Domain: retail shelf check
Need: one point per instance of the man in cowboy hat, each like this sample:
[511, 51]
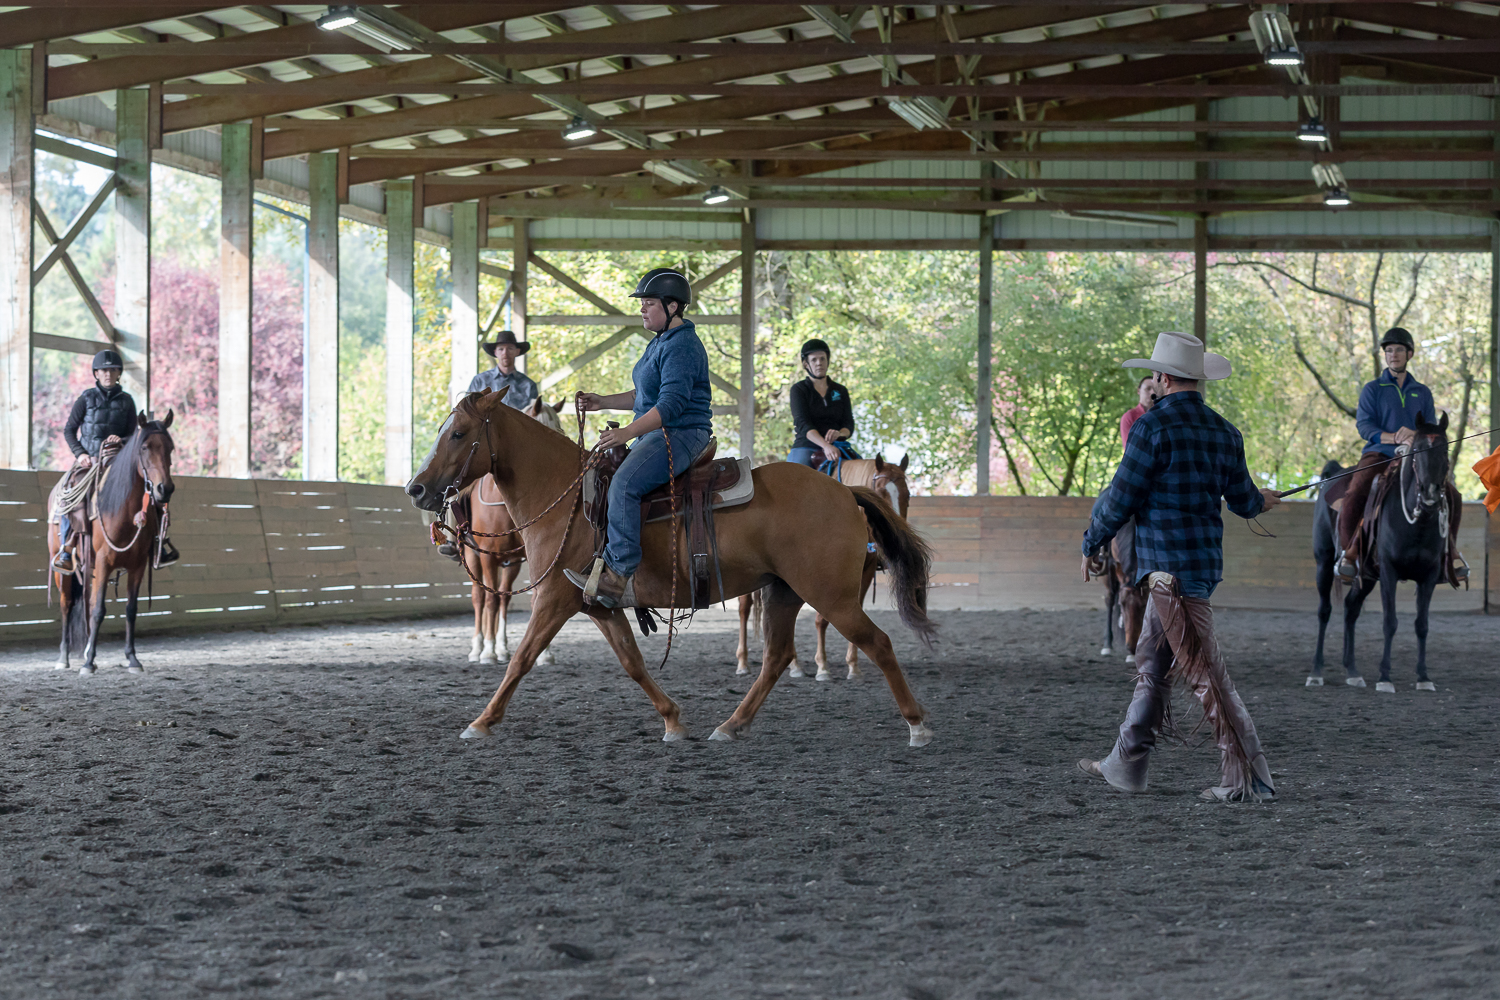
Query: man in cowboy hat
[1180, 459]
[504, 378]
[516, 391]
[1386, 418]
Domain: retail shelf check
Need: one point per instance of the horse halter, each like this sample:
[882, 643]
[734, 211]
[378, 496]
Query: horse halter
[1423, 505]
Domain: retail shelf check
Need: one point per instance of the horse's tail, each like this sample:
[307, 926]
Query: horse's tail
[76, 626]
[906, 555]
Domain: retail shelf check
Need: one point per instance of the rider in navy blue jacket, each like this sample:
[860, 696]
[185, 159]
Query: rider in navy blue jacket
[1386, 417]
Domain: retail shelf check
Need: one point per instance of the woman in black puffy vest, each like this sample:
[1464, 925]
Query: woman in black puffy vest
[105, 414]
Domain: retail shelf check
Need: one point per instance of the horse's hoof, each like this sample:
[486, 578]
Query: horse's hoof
[61, 665]
[86, 671]
[543, 660]
[740, 671]
[673, 735]
[823, 675]
[794, 670]
[1313, 681]
[471, 733]
[1426, 686]
[1106, 651]
[920, 735]
[1355, 682]
[473, 657]
[489, 658]
[1385, 687]
[135, 669]
[724, 735]
[853, 674]
[1129, 658]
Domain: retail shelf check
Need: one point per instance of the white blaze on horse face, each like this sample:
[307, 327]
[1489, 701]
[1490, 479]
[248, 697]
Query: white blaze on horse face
[895, 495]
[425, 468]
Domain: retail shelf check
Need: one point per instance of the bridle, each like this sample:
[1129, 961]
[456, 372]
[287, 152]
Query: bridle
[1421, 505]
[148, 500]
[450, 493]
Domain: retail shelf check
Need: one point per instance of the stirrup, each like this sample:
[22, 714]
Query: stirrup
[1461, 568]
[169, 554]
[64, 556]
[1343, 564]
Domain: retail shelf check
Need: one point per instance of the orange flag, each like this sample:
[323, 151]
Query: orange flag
[1488, 470]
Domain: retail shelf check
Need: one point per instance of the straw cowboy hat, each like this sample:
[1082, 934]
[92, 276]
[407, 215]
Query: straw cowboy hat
[506, 337]
[1182, 355]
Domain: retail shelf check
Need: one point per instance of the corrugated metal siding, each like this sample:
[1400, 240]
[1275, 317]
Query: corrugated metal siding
[607, 229]
[862, 224]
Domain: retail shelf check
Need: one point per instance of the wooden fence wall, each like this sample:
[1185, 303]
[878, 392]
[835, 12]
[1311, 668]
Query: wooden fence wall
[253, 551]
[1004, 553]
[264, 551]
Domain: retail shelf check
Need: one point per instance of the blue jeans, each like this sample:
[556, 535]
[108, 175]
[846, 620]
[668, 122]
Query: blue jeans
[812, 457]
[643, 470]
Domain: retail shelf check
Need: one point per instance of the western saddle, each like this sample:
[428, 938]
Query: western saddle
[707, 485]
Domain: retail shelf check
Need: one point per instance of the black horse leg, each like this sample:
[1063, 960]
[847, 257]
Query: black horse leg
[1353, 602]
[131, 601]
[96, 625]
[1424, 602]
[1111, 603]
[1388, 583]
[1325, 611]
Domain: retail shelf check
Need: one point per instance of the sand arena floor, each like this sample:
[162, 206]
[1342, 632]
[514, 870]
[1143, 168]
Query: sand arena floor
[289, 813]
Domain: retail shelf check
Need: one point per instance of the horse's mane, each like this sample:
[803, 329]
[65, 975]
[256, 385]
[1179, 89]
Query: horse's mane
[114, 494]
[469, 405]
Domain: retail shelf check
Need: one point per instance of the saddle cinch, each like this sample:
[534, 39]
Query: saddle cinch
[707, 485]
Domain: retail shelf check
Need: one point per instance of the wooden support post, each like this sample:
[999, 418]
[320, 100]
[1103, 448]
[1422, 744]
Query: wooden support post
[520, 262]
[236, 266]
[17, 180]
[463, 317]
[418, 201]
[132, 319]
[257, 148]
[1204, 141]
[343, 176]
[400, 330]
[747, 336]
[322, 359]
[1200, 278]
[983, 391]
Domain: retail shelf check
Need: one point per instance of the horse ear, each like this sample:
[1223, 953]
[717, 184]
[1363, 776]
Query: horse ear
[484, 392]
[140, 419]
[165, 424]
[557, 406]
[533, 408]
[1442, 425]
[904, 459]
[879, 461]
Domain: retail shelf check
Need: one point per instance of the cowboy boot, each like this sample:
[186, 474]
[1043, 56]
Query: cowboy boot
[1125, 767]
[63, 561]
[603, 586]
[448, 549]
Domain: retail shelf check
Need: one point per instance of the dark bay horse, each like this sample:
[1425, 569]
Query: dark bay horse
[125, 538]
[493, 555]
[877, 474]
[763, 543]
[1412, 544]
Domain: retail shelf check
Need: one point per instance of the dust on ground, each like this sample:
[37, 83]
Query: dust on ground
[289, 813]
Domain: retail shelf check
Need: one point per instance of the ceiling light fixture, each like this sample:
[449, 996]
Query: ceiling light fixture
[579, 129]
[1273, 34]
[368, 24]
[1312, 130]
[338, 17]
[1336, 198]
[715, 196]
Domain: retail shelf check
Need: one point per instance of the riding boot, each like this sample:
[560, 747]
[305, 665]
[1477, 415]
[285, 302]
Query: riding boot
[63, 561]
[1348, 565]
[1125, 767]
[603, 586]
[448, 549]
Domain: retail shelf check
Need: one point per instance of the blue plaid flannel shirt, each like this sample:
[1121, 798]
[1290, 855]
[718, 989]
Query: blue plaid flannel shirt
[1180, 459]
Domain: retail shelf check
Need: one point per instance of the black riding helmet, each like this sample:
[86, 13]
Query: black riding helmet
[108, 359]
[1396, 335]
[665, 284]
[812, 347]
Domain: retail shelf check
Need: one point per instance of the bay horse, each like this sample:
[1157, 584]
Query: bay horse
[1124, 600]
[877, 474]
[493, 556]
[131, 500]
[762, 543]
[1415, 521]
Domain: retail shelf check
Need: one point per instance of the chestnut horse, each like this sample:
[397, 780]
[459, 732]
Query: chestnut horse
[493, 557]
[763, 543]
[131, 499]
[878, 474]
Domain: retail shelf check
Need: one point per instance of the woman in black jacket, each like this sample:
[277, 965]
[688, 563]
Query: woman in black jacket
[821, 410]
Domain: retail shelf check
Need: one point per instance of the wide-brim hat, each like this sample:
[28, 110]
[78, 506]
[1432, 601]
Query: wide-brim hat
[1182, 355]
[506, 337]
